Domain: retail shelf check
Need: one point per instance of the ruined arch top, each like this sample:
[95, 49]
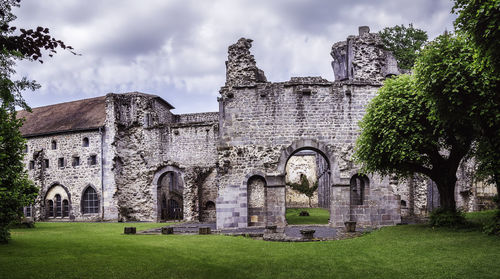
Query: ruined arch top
[162, 171]
[310, 144]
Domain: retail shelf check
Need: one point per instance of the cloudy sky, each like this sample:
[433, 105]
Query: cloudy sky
[176, 49]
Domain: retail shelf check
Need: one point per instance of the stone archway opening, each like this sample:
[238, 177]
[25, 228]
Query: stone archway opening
[170, 196]
[57, 203]
[307, 190]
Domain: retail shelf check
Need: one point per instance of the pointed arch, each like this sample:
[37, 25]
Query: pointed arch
[90, 203]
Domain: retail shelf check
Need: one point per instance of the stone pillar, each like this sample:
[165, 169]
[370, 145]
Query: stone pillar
[275, 200]
[340, 202]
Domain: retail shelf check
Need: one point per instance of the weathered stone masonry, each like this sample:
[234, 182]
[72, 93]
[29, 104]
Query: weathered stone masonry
[139, 161]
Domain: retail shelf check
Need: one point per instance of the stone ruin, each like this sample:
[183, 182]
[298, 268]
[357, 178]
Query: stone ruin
[126, 157]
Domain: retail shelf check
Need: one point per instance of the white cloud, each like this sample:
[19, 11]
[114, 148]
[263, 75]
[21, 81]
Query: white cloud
[176, 49]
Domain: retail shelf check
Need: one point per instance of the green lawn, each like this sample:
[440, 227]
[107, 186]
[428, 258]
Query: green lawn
[316, 216]
[99, 250]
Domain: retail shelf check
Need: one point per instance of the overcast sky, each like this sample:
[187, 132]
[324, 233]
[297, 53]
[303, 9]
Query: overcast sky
[176, 49]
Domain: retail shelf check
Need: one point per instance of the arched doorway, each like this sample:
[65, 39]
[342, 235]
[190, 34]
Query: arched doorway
[170, 190]
[329, 172]
[307, 188]
[256, 195]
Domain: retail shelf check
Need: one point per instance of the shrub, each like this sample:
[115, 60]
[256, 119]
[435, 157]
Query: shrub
[492, 227]
[304, 213]
[445, 218]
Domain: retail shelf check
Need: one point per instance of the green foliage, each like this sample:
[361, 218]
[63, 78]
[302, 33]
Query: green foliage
[445, 218]
[97, 250]
[463, 87]
[480, 19]
[404, 42]
[488, 221]
[492, 227]
[396, 131]
[304, 187]
[16, 190]
[427, 122]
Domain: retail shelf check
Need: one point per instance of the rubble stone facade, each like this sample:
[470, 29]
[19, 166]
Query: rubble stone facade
[127, 157]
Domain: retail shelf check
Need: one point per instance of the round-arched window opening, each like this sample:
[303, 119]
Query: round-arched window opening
[358, 185]
[210, 205]
[53, 145]
[85, 142]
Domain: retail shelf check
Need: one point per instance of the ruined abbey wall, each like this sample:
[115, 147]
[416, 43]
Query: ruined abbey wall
[73, 178]
[231, 166]
[263, 123]
[150, 140]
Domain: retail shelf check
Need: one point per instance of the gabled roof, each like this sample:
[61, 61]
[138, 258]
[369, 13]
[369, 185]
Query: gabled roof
[86, 114]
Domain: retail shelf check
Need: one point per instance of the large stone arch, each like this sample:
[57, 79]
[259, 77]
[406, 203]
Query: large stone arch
[276, 187]
[315, 145]
[156, 184]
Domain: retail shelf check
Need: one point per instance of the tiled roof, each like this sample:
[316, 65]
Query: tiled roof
[86, 114]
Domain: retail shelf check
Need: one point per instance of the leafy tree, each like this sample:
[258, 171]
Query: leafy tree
[16, 190]
[304, 187]
[480, 20]
[404, 42]
[422, 123]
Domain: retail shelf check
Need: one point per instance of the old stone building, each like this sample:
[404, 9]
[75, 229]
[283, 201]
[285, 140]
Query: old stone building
[126, 156]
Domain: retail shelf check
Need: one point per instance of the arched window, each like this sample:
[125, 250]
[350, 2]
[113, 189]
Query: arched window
[358, 184]
[90, 201]
[58, 205]
[210, 205]
[65, 210]
[51, 208]
[85, 142]
[54, 145]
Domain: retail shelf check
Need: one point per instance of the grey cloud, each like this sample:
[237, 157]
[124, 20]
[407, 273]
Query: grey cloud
[176, 49]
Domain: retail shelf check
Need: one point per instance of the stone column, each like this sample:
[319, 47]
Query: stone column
[340, 205]
[275, 200]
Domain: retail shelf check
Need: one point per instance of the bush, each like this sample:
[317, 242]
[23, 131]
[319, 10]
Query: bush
[443, 218]
[304, 213]
[4, 235]
[492, 227]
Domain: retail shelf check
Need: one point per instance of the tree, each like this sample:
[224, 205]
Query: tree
[479, 21]
[304, 187]
[422, 123]
[404, 43]
[16, 190]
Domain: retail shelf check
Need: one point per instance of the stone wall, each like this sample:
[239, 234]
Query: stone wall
[264, 123]
[148, 140]
[74, 179]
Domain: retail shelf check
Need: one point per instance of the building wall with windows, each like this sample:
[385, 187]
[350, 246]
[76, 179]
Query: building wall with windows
[66, 165]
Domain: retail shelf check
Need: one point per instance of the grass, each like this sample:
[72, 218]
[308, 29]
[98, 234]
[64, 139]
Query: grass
[480, 217]
[100, 250]
[316, 216]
